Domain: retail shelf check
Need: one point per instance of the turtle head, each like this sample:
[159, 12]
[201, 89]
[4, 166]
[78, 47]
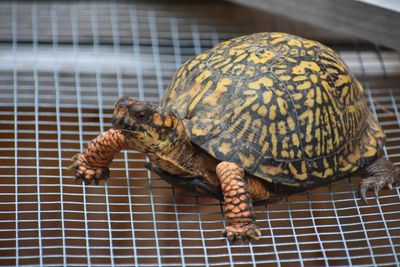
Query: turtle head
[149, 127]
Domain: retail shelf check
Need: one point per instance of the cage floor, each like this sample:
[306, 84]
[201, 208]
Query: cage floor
[63, 64]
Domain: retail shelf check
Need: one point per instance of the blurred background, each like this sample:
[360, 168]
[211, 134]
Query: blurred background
[63, 64]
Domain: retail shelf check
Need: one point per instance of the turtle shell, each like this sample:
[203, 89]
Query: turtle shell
[284, 108]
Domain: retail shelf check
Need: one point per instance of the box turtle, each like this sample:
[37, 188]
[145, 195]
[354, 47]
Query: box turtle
[255, 118]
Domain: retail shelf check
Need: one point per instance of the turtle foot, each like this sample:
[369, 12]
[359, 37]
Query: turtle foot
[242, 233]
[87, 173]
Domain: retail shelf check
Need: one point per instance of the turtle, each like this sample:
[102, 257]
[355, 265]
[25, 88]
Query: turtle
[254, 119]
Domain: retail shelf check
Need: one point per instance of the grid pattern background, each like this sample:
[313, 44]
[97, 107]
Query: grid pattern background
[62, 65]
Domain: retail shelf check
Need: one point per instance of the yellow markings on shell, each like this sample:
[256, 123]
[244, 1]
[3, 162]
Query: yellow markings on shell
[284, 154]
[282, 128]
[267, 96]
[310, 99]
[355, 156]
[343, 79]
[224, 148]
[318, 142]
[227, 67]
[255, 106]
[300, 176]
[262, 111]
[238, 69]
[246, 160]
[277, 34]
[274, 140]
[261, 58]
[305, 85]
[202, 56]
[248, 102]
[318, 98]
[309, 43]
[278, 40]
[291, 123]
[216, 59]
[299, 78]
[344, 92]
[198, 81]
[309, 150]
[279, 72]
[295, 140]
[192, 64]
[285, 78]
[332, 60]
[285, 142]
[197, 131]
[297, 96]
[222, 63]
[317, 116]
[301, 68]
[267, 82]
[294, 42]
[249, 92]
[222, 87]
[263, 134]
[359, 87]
[240, 58]
[326, 173]
[265, 147]
[272, 112]
[250, 71]
[271, 170]
[282, 105]
[238, 50]
[314, 78]
[326, 98]
[198, 97]
[346, 167]
[308, 114]
[279, 92]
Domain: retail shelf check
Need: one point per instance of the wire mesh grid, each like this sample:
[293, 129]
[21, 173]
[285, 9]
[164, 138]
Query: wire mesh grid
[62, 65]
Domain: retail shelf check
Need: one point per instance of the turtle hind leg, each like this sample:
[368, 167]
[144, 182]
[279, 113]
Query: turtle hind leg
[380, 174]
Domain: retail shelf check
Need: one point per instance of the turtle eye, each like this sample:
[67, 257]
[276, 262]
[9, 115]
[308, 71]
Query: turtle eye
[141, 115]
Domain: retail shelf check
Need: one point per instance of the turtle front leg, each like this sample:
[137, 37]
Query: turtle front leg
[92, 163]
[380, 174]
[238, 207]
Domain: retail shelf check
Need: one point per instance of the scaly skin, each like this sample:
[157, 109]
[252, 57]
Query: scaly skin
[92, 164]
[238, 207]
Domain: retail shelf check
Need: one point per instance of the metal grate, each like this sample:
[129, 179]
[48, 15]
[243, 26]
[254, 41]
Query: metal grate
[62, 65]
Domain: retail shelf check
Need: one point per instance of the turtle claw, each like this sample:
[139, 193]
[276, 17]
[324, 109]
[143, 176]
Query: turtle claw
[241, 233]
[361, 194]
[86, 173]
[258, 234]
[375, 184]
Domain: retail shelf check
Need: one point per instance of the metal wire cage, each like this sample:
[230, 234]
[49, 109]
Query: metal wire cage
[62, 65]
